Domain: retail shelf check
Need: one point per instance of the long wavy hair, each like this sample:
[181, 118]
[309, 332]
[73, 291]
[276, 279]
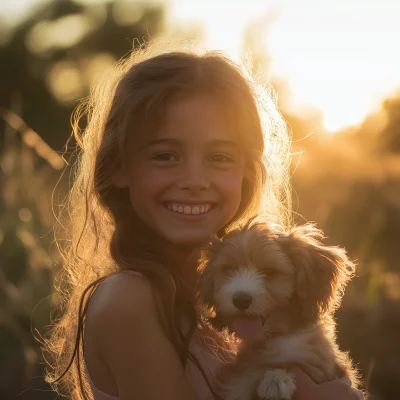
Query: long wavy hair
[102, 234]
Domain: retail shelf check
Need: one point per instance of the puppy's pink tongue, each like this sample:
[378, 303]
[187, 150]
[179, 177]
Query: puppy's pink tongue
[247, 328]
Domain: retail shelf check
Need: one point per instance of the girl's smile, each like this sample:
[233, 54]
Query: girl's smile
[190, 208]
[185, 182]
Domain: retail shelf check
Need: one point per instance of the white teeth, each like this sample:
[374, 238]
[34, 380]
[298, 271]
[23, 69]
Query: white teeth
[188, 209]
[195, 210]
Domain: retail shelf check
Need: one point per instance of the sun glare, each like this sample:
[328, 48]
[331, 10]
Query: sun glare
[338, 56]
[223, 21]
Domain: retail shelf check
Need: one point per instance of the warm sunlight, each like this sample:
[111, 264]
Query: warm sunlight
[337, 55]
[322, 181]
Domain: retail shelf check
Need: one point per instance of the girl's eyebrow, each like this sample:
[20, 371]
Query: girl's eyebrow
[180, 142]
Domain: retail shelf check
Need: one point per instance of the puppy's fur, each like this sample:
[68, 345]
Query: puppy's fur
[296, 284]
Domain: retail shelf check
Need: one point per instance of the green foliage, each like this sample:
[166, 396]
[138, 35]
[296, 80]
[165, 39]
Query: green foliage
[27, 260]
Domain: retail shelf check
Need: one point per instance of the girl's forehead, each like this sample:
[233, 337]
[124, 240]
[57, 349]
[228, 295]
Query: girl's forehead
[201, 117]
[195, 119]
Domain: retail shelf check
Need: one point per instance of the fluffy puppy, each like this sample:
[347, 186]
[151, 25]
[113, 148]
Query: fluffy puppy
[277, 291]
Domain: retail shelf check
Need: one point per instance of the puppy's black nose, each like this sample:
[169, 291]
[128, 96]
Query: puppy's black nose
[242, 301]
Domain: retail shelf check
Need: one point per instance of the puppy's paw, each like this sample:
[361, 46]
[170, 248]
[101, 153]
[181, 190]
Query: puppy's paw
[277, 384]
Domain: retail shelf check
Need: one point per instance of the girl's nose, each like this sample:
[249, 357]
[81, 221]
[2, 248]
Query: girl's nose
[194, 178]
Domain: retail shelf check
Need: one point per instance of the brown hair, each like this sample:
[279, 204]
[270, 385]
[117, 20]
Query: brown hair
[104, 236]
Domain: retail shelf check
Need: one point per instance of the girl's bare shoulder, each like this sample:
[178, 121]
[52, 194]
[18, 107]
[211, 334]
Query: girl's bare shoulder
[126, 294]
[128, 343]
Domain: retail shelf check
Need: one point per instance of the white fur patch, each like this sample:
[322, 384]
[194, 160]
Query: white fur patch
[293, 349]
[277, 384]
[289, 347]
[245, 280]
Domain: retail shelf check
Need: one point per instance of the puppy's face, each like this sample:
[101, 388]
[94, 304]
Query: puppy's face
[260, 280]
[248, 277]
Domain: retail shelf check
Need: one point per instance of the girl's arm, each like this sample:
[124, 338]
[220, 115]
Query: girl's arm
[334, 390]
[123, 325]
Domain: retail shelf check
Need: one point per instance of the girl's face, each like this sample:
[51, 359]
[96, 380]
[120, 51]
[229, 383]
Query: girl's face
[186, 181]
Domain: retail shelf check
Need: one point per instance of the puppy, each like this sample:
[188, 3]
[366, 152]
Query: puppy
[277, 291]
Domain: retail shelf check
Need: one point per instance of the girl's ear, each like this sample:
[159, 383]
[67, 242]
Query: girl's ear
[120, 178]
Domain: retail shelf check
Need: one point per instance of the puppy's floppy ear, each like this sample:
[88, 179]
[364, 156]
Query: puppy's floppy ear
[206, 270]
[322, 272]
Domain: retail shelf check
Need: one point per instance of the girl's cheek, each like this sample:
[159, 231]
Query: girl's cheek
[232, 179]
[230, 186]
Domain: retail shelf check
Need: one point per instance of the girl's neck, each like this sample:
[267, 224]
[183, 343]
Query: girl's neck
[175, 255]
[178, 257]
[182, 260]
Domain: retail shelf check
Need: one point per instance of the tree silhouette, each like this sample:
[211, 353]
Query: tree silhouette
[390, 136]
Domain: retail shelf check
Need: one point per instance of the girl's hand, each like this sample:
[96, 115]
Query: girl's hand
[334, 390]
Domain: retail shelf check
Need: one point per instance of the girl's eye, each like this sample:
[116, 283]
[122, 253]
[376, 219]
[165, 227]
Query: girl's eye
[221, 158]
[165, 157]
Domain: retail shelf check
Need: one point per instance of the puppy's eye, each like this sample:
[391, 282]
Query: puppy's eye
[270, 273]
[228, 269]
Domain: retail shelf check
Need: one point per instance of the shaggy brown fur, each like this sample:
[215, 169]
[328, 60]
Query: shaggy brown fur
[295, 283]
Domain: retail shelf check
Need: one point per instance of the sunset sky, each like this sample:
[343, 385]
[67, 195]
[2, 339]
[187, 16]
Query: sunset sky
[338, 55]
[341, 56]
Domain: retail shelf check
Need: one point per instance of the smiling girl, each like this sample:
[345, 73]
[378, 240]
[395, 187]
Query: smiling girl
[178, 146]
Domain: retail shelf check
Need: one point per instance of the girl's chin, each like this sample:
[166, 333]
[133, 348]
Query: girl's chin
[191, 243]
[188, 239]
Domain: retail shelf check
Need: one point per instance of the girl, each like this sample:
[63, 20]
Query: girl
[178, 146]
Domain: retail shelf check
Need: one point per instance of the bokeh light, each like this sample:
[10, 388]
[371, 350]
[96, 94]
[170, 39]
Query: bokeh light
[338, 56]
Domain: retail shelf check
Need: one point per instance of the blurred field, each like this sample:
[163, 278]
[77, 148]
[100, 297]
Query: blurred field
[347, 181]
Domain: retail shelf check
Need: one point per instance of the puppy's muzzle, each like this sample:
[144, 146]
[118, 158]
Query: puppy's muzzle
[242, 301]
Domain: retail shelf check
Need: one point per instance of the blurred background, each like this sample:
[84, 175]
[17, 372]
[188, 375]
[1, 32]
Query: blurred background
[336, 68]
